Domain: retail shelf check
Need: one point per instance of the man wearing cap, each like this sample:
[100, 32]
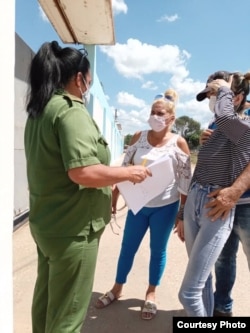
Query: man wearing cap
[220, 161]
[220, 205]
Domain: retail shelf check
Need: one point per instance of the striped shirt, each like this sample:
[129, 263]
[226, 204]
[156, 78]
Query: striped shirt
[227, 152]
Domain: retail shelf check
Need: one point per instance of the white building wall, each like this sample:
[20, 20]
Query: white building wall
[7, 63]
[23, 56]
[98, 112]
[21, 203]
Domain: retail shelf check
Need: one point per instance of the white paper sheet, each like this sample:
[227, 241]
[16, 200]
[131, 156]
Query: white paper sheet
[137, 196]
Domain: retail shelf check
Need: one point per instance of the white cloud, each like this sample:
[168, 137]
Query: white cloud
[167, 18]
[42, 14]
[186, 86]
[136, 120]
[136, 59]
[119, 6]
[133, 120]
[150, 85]
[199, 111]
[126, 99]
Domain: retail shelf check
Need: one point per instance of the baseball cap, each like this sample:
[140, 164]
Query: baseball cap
[217, 75]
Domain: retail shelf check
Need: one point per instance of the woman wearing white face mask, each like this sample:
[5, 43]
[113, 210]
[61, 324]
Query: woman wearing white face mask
[239, 108]
[225, 267]
[86, 93]
[159, 214]
[69, 180]
[221, 159]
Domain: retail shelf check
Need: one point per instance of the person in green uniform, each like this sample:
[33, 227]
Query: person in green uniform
[69, 181]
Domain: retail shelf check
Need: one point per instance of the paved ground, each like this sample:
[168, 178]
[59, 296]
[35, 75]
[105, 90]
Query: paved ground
[122, 316]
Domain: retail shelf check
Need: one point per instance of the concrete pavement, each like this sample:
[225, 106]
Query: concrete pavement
[122, 316]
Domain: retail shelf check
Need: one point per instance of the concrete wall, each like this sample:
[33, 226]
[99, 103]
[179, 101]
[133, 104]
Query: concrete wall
[23, 56]
[98, 108]
[7, 63]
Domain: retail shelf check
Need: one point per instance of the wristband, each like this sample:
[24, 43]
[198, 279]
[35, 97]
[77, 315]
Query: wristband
[180, 214]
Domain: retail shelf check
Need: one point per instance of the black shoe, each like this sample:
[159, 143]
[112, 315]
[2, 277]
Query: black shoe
[218, 313]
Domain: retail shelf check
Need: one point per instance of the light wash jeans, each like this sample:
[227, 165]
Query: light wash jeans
[204, 241]
[225, 267]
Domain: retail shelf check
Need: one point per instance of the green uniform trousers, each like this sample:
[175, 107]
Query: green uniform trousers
[66, 268]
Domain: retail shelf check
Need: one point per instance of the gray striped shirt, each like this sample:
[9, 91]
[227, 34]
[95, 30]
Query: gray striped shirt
[227, 152]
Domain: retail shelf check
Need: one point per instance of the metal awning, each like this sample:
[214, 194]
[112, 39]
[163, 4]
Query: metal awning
[81, 21]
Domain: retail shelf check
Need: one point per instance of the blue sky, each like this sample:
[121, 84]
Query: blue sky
[159, 44]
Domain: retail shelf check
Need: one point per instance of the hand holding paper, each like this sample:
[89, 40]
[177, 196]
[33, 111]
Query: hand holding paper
[138, 173]
[137, 195]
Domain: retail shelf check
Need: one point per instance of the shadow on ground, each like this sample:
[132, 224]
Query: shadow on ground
[123, 316]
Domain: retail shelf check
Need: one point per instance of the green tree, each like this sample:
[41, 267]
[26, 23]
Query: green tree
[127, 139]
[190, 129]
[193, 140]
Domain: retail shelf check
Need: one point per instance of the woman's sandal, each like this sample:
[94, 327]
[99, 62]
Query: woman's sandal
[105, 300]
[149, 310]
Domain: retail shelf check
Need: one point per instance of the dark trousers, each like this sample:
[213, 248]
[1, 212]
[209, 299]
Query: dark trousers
[225, 267]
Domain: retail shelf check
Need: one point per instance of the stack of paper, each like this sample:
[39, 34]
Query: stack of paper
[137, 196]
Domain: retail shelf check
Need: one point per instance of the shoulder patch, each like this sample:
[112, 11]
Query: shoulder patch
[69, 100]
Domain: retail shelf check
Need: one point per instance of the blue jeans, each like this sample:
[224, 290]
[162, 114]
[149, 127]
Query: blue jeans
[225, 267]
[204, 241]
[160, 222]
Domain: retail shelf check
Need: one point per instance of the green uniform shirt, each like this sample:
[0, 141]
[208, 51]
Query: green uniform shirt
[65, 136]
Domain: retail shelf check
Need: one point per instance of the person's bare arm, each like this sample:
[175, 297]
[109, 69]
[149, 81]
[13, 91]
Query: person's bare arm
[223, 200]
[179, 227]
[115, 195]
[100, 175]
[135, 138]
[182, 144]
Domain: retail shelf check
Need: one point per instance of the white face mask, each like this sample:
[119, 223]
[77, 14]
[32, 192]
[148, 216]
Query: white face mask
[157, 123]
[86, 94]
[212, 102]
